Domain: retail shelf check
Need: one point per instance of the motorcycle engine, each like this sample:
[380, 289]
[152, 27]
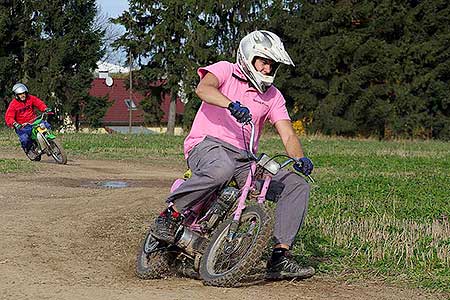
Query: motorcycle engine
[191, 242]
[221, 206]
[194, 243]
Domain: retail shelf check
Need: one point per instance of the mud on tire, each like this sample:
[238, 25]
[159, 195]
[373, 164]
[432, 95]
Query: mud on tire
[227, 264]
[155, 265]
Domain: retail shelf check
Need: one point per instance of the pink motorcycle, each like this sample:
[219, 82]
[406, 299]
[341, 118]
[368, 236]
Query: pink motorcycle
[222, 239]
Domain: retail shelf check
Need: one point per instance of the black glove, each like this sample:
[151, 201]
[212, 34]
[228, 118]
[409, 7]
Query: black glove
[17, 126]
[304, 165]
[48, 110]
[241, 113]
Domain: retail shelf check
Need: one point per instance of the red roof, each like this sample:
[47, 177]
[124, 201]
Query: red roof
[117, 113]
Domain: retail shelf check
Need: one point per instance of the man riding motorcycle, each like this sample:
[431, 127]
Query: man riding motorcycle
[20, 111]
[215, 145]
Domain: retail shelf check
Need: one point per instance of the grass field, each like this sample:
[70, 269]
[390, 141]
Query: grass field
[377, 209]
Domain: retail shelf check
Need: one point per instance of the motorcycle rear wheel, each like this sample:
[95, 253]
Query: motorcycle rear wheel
[227, 264]
[57, 151]
[154, 265]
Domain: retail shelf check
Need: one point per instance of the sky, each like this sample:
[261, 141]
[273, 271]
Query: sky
[112, 8]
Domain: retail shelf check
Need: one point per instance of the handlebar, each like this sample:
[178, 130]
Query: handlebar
[41, 116]
[252, 138]
[253, 156]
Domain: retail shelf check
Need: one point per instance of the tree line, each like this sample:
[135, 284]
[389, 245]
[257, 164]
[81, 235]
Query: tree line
[363, 68]
[53, 47]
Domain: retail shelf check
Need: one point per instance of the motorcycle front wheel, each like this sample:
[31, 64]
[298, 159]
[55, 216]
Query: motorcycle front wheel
[228, 261]
[153, 265]
[57, 151]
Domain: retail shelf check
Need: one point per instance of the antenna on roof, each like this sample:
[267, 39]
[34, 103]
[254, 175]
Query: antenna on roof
[109, 81]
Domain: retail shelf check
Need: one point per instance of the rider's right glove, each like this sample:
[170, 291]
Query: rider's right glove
[241, 113]
[304, 165]
[48, 110]
[17, 126]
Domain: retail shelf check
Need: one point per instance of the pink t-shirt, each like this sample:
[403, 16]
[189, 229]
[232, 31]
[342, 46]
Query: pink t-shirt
[218, 122]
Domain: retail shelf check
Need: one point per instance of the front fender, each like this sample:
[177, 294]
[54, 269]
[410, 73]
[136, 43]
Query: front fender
[41, 139]
[50, 136]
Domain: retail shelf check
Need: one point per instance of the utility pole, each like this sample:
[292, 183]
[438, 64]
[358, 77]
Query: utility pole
[130, 108]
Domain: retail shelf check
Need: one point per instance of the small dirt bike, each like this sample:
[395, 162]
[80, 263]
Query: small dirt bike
[222, 239]
[44, 141]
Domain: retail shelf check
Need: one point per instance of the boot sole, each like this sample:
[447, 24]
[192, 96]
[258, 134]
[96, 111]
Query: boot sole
[288, 275]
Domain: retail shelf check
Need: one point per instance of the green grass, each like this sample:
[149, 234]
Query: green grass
[15, 166]
[8, 139]
[377, 209]
[120, 146]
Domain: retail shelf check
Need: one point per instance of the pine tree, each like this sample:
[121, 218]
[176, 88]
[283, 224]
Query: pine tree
[423, 88]
[367, 67]
[53, 47]
[174, 38]
[15, 24]
[61, 61]
[158, 34]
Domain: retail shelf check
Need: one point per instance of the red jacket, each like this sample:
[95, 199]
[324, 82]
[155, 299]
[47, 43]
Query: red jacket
[23, 112]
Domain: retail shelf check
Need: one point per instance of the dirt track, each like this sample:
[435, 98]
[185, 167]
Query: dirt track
[63, 237]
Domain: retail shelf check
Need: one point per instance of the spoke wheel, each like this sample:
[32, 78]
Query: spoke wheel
[57, 152]
[155, 265]
[227, 262]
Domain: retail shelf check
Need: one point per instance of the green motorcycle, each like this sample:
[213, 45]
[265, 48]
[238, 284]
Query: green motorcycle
[44, 141]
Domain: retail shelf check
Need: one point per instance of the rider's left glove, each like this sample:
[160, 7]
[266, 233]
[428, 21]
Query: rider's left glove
[304, 165]
[48, 110]
[17, 126]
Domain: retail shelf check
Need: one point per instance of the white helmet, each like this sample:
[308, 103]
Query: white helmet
[19, 88]
[263, 44]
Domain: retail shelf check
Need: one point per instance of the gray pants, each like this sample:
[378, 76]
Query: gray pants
[214, 163]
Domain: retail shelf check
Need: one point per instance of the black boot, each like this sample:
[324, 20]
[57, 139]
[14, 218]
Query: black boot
[282, 266]
[166, 225]
[32, 153]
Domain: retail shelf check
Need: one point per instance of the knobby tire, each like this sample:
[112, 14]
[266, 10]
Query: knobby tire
[236, 274]
[60, 158]
[152, 266]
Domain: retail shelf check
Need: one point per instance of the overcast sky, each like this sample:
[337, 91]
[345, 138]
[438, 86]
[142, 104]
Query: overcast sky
[112, 8]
